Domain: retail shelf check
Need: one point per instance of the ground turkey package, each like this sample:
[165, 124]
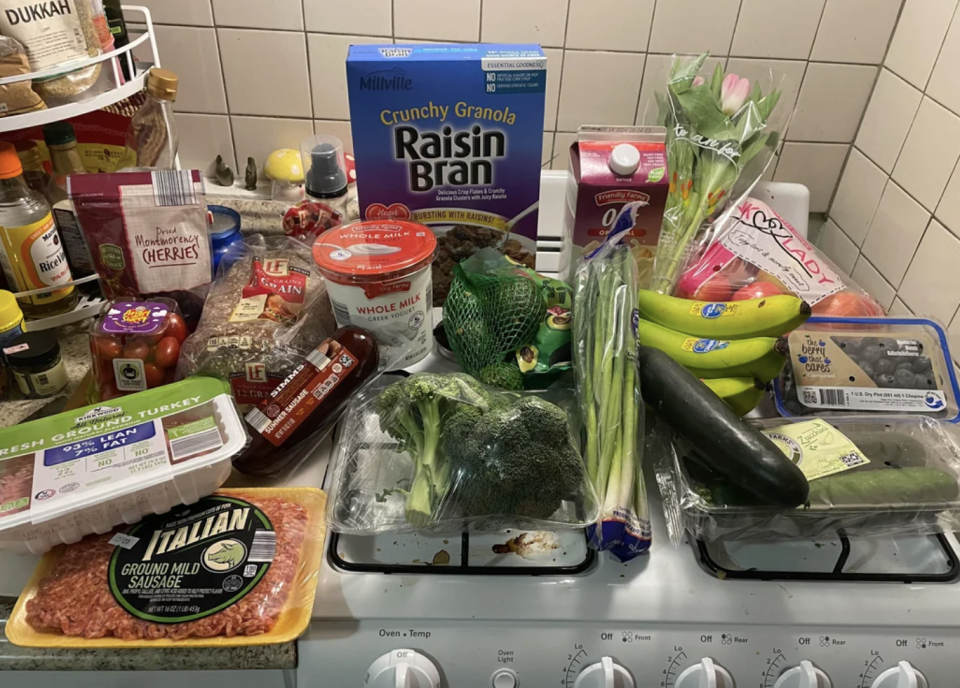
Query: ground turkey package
[236, 568]
[147, 233]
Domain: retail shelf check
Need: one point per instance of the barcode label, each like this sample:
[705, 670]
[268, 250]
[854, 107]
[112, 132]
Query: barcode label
[258, 420]
[173, 187]
[264, 547]
[341, 313]
[318, 359]
[194, 444]
[832, 397]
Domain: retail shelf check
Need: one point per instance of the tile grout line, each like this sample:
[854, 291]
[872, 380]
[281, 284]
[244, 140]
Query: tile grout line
[226, 95]
[954, 17]
[563, 64]
[646, 63]
[306, 50]
[733, 33]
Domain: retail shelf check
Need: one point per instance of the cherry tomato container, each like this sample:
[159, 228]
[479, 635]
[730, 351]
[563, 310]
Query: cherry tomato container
[135, 346]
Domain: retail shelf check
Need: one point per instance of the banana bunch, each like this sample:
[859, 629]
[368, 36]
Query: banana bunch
[734, 347]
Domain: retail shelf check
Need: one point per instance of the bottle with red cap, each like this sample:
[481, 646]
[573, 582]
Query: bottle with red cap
[31, 250]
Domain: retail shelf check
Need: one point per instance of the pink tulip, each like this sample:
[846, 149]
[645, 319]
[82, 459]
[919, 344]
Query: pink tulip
[733, 93]
[699, 81]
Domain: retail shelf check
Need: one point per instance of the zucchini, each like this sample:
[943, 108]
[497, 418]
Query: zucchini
[885, 488]
[730, 446]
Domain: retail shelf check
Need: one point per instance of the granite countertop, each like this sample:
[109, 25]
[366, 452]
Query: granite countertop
[13, 658]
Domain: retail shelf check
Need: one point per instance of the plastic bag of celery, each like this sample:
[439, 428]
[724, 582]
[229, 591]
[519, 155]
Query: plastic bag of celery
[608, 391]
[440, 452]
[722, 131]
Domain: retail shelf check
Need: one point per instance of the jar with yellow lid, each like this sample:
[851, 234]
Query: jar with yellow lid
[11, 319]
[152, 139]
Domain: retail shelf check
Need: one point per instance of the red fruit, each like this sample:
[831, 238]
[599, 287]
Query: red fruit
[176, 327]
[154, 375]
[846, 304]
[107, 349]
[167, 352]
[717, 288]
[136, 349]
[757, 290]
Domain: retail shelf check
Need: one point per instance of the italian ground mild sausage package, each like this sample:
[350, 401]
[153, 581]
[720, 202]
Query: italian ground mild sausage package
[238, 567]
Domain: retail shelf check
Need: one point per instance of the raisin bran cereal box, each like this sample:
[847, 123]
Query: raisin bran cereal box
[450, 136]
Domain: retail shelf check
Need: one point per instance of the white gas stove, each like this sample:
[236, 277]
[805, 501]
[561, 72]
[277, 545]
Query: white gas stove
[664, 619]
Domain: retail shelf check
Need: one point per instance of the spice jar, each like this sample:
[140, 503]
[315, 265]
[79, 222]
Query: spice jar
[36, 364]
[11, 319]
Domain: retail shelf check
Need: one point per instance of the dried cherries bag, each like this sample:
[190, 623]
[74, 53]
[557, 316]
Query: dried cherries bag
[147, 233]
[135, 346]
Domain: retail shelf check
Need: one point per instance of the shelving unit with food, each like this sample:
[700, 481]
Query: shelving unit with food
[73, 89]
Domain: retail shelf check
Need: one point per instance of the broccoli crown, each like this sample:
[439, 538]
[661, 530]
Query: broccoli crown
[514, 461]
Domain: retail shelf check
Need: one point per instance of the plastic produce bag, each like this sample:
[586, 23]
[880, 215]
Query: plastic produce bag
[440, 452]
[897, 475]
[608, 392]
[507, 324]
[756, 253]
[722, 132]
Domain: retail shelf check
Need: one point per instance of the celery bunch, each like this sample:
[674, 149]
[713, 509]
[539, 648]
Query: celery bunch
[604, 312]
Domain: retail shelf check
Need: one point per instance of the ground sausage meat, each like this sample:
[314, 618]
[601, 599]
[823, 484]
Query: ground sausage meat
[76, 600]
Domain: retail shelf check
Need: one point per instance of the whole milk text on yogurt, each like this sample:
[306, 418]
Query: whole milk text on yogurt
[378, 278]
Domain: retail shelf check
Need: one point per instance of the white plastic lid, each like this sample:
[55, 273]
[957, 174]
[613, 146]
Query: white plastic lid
[625, 159]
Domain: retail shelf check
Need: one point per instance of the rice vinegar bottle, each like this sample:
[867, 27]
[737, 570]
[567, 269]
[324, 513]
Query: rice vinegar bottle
[30, 247]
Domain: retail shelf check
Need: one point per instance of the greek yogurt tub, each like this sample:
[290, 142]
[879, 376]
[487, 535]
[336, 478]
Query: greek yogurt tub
[378, 278]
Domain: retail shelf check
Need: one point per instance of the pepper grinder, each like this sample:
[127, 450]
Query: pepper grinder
[324, 164]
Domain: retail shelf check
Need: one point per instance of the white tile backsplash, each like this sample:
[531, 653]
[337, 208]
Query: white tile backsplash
[547, 151]
[259, 14]
[858, 196]
[855, 30]
[530, 21]
[917, 40]
[260, 136]
[203, 138]
[838, 247]
[760, 33]
[944, 84]
[358, 17]
[272, 60]
[895, 232]
[948, 212]
[868, 277]
[260, 74]
[815, 165]
[182, 12]
[929, 154]
[599, 88]
[888, 119]
[328, 74]
[609, 24]
[693, 26]
[925, 287]
[840, 89]
[439, 20]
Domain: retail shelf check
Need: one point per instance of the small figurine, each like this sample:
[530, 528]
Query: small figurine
[250, 176]
[223, 173]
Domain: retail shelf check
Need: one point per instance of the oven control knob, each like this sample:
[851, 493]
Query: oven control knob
[901, 676]
[706, 674]
[604, 674]
[402, 669]
[804, 676]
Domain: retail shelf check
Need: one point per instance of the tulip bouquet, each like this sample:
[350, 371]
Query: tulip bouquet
[715, 130]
